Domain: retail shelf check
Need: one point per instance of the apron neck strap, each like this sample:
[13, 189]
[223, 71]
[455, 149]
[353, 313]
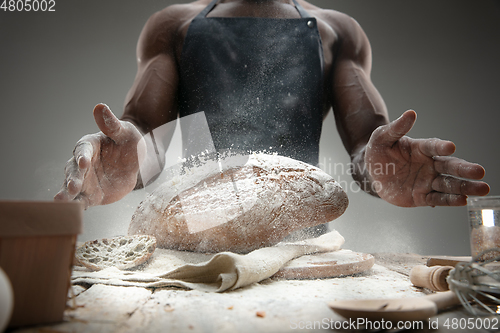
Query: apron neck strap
[211, 6]
[207, 9]
[301, 10]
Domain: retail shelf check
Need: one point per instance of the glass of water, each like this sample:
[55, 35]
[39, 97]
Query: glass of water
[484, 219]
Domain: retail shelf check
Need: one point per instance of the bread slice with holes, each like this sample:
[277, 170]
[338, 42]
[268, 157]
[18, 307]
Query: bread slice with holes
[124, 252]
[245, 204]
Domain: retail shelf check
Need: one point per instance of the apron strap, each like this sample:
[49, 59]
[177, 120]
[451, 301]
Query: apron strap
[207, 9]
[210, 6]
[301, 10]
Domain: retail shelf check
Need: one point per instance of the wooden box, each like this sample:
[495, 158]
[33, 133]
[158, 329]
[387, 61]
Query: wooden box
[37, 245]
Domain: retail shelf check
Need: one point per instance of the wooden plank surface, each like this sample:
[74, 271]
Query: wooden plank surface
[273, 305]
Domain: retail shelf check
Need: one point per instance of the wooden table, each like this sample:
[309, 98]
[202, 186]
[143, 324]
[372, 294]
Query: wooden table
[269, 306]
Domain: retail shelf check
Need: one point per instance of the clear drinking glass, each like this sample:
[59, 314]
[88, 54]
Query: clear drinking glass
[484, 219]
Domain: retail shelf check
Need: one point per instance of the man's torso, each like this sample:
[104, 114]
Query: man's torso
[329, 28]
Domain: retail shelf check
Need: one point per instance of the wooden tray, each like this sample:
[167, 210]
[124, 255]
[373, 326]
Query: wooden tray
[326, 265]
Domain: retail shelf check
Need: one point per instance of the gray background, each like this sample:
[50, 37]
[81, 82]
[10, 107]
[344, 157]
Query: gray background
[437, 57]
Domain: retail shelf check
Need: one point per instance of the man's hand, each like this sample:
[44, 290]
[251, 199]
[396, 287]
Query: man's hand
[419, 172]
[105, 165]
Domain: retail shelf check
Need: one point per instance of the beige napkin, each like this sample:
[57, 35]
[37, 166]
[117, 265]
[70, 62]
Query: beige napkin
[224, 271]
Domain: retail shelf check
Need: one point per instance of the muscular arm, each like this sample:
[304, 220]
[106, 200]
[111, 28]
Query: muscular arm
[401, 170]
[358, 107]
[151, 102]
[105, 165]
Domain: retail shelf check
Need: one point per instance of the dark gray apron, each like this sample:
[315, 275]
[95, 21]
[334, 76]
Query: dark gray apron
[258, 80]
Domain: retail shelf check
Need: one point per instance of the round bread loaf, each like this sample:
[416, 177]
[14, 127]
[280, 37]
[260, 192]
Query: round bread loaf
[123, 252]
[238, 204]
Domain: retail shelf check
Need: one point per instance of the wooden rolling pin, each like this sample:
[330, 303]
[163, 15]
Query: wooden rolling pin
[433, 277]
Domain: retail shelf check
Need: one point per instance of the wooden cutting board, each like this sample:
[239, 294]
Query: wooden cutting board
[446, 260]
[326, 265]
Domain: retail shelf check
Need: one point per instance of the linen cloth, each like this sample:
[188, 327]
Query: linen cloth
[210, 272]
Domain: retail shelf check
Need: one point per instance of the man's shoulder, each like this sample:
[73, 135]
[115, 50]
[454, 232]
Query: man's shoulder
[344, 25]
[177, 15]
[164, 29]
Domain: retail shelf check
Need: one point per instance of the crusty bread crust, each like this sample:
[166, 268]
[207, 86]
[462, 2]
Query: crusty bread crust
[124, 252]
[242, 207]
